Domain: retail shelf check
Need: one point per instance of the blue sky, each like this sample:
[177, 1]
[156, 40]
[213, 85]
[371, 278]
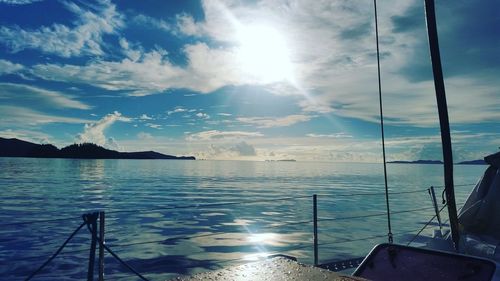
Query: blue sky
[249, 80]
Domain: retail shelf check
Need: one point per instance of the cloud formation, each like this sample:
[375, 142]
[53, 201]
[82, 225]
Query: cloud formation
[333, 76]
[335, 136]
[177, 110]
[221, 135]
[149, 22]
[85, 38]
[154, 126]
[29, 118]
[240, 150]
[7, 67]
[202, 115]
[337, 78]
[29, 95]
[145, 117]
[19, 2]
[270, 122]
[94, 132]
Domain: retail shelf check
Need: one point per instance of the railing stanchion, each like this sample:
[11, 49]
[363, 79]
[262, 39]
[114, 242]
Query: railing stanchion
[92, 224]
[435, 204]
[315, 228]
[101, 245]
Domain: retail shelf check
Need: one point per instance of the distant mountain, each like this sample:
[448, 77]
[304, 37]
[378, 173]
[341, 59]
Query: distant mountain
[20, 148]
[473, 162]
[418, 162]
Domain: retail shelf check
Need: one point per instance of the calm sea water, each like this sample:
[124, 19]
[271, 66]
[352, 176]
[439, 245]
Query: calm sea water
[168, 217]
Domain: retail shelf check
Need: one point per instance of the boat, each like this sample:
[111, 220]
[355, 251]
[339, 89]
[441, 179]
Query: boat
[470, 250]
[467, 252]
[475, 256]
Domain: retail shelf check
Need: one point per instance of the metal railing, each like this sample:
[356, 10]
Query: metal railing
[96, 224]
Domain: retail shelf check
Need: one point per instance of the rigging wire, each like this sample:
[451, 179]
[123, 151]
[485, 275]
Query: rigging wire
[374, 215]
[124, 263]
[389, 230]
[425, 226]
[56, 253]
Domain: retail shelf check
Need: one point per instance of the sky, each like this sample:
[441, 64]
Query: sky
[249, 80]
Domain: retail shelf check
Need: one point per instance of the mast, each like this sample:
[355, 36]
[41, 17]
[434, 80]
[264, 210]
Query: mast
[389, 229]
[443, 119]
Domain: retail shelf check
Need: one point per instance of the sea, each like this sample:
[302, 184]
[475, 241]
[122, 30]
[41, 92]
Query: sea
[167, 218]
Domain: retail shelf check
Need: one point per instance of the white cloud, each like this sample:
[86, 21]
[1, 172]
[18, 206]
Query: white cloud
[112, 144]
[19, 2]
[26, 117]
[269, 122]
[7, 67]
[336, 136]
[149, 22]
[473, 99]
[299, 148]
[25, 94]
[176, 110]
[224, 114]
[241, 150]
[466, 146]
[331, 47]
[145, 117]
[339, 76]
[150, 74]
[202, 115]
[244, 149]
[85, 38]
[94, 132]
[221, 135]
[129, 51]
[187, 25]
[154, 126]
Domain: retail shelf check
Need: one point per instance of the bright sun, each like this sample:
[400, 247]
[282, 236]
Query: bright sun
[264, 54]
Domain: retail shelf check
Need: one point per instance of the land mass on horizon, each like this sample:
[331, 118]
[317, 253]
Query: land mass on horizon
[470, 162]
[417, 162]
[20, 148]
[473, 162]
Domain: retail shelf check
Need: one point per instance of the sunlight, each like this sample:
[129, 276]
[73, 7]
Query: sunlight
[264, 53]
[262, 238]
[255, 256]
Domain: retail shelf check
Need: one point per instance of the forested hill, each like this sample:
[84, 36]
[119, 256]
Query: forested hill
[20, 148]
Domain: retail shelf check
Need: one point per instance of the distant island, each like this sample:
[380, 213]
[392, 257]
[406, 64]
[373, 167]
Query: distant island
[20, 148]
[473, 162]
[417, 162]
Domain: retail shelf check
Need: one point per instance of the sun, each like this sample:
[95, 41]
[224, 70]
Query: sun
[263, 53]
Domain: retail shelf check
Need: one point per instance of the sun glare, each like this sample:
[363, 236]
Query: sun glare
[264, 53]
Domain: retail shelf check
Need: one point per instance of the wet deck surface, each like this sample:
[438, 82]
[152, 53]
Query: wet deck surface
[276, 269]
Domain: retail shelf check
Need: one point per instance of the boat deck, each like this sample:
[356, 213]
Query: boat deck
[275, 269]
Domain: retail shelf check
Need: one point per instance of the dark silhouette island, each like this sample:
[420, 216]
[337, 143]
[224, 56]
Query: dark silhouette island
[20, 148]
[418, 162]
[470, 162]
[473, 162]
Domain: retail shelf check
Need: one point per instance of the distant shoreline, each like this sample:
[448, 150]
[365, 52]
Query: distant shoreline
[416, 162]
[434, 162]
[20, 148]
